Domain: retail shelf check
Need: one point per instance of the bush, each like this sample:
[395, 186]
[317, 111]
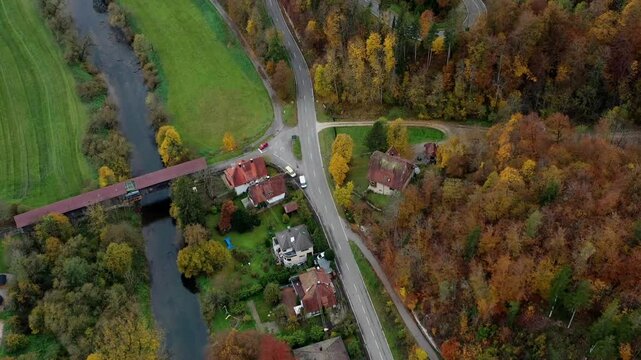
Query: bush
[93, 88]
[16, 342]
[238, 308]
[316, 334]
[272, 294]
[242, 221]
[285, 219]
[248, 292]
[241, 256]
[329, 255]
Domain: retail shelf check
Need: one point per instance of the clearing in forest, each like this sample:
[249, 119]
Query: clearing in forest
[42, 120]
[209, 83]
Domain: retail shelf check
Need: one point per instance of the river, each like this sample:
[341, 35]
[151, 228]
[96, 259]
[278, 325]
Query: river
[176, 310]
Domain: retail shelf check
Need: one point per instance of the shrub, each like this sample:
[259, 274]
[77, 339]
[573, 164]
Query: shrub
[272, 294]
[16, 342]
[285, 219]
[242, 221]
[329, 255]
[241, 256]
[93, 88]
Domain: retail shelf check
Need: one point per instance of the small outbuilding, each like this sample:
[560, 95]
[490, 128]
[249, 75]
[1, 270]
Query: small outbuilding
[290, 207]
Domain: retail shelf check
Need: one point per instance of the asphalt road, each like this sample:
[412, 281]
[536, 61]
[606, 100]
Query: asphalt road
[320, 196]
[474, 9]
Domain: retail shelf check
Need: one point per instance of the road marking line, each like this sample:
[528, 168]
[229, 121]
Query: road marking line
[347, 266]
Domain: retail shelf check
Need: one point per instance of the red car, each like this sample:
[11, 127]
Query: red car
[263, 146]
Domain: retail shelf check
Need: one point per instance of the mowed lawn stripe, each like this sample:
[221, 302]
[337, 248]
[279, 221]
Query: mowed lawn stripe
[42, 118]
[209, 82]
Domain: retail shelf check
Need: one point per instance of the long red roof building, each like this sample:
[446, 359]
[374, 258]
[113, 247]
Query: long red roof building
[110, 192]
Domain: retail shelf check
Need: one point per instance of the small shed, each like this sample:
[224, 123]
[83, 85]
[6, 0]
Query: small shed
[290, 207]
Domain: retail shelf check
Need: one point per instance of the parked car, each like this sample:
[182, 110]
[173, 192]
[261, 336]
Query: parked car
[303, 182]
[263, 146]
[290, 171]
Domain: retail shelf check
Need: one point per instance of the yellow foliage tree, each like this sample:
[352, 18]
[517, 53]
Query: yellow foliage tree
[528, 168]
[625, 351]
[202, 258]
[438, 45]
[94, 357]
[126, 337]
[106, 176]
[229, 142]
[389, 46]
[338, 168]
[332, 29]
[118, 258]
[511, 177]
[447, 151]
[521, 68]
[343, 194]
[170, 145]
[251, 27]
[418, 354]
[343, 145]
[398, 138]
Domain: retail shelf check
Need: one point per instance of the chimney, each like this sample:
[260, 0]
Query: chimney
[292, 239]
[289, 228]
[318, 282]
[320, 348]
[251, 160]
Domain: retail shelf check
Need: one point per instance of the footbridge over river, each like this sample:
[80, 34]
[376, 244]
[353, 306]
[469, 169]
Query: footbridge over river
[123, 191]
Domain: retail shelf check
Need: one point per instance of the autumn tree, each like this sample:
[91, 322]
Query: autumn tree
[332, 29]
[203, 258]
[426, 20]
[195, 234]
[118, 259]
[226, 213]
[356, 83]
[170, 146]
[338, 168]
[343, 145]
[374, 49]
[438, 45]
[229, 142]
[343, 194]
[106, 176]
[398, 138]
[126, 337]
[283, 81]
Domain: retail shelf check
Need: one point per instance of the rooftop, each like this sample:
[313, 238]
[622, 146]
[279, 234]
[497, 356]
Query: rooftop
[331, 349]
[246, 171]
[390, 170]
[267, 189]
[297, 238]
[110, 192]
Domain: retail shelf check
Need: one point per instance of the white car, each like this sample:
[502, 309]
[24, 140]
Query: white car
[290, 171]
[303, 182]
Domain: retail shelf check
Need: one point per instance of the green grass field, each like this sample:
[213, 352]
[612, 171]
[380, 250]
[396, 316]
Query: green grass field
[42, 121]
[391, 322]
[208, 82]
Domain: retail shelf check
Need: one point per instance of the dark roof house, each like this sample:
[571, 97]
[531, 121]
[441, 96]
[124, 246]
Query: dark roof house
[297, 238]
[245, 172]
[269, 191]
[389, 170]
[331, 349]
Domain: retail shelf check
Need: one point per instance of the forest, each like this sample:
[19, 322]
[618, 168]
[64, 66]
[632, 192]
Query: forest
[523, 244]
[576, 58]
[73, 296]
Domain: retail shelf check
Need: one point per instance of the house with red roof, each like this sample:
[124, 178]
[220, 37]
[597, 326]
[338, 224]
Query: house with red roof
[245, 173]
[388, 172]
[316, 290]
[268, 191]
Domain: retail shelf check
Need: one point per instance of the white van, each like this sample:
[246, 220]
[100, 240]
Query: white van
[290, 171]
[303, 183]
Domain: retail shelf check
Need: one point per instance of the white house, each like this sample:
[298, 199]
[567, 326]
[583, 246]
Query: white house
[292, 246]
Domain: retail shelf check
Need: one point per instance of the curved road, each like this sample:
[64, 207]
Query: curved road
[320, 196]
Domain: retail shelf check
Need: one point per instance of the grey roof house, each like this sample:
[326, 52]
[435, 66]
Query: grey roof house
[292, 246]
[331, 349]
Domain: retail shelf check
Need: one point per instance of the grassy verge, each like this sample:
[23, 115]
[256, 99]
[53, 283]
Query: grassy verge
[393, 326]
[3, 258]
[296, 148]
[420, 135]
[211, 85]
[290, 115]
[42, 120]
